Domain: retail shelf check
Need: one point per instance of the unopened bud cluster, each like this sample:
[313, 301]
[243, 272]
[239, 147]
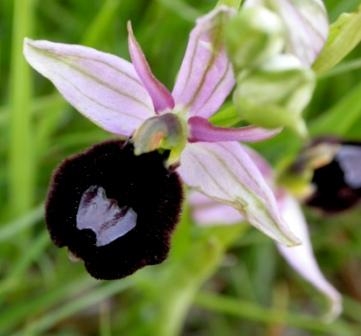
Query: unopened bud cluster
[273, 87]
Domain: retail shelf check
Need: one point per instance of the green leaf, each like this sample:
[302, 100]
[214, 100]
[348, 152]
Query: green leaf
[71, 307]
[230, 3]
[169, 299]
[227, 116]
[341, 117]
[253, 312]
[13, 228]
[344, 36]
[44, 303]
[21, 266]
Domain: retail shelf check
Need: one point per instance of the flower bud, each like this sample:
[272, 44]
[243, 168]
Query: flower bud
[253, 36]
[305, 23]
[276, 93]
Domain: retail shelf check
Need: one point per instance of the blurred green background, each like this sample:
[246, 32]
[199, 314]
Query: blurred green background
[221, 281]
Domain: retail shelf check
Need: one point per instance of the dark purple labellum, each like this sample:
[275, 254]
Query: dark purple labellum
[114, 210]
[338, 182]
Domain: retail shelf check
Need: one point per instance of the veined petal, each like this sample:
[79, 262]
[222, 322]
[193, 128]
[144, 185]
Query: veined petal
[161, 97]
[200, 129]
[103, 87]
[306, 25]
[302, 259]
[207, 212]
[225, 172]
[262, 165]
[206, 77]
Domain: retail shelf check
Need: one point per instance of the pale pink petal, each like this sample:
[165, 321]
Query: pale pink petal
[201, 129]
[301, 257]
[207, 212]
[262, 165]
[225, 172]
[103, 87]
[306, 25]
[206, 77]
[162, 98]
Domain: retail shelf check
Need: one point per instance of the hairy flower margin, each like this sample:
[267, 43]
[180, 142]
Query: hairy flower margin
[121, 97]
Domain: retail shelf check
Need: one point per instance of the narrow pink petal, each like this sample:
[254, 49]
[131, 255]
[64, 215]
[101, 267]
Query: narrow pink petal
[306, 25]
[208, 212]
[103, 87]
[225, 172]
[162, 98]
[206, 77]
[302, 259]
[201, 129]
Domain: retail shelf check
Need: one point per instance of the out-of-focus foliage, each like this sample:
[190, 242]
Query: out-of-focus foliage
[249, 291]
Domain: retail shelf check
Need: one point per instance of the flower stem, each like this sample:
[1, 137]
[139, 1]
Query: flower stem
[21, 154]
[99, 26]
[176, 288]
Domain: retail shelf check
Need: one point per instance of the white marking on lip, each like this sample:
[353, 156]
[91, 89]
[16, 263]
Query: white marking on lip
[103, 216]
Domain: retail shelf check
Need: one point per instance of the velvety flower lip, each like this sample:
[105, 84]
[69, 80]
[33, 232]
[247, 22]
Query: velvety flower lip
[102, 205]
[109, 90]
[336, 180]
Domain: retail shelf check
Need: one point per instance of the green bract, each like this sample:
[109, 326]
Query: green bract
[276, 93]
[261, 37]
[272, 45]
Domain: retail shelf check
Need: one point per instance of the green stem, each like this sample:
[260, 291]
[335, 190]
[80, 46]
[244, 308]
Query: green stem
[21, 158]
[99, 26]
[182, 284]
[175, 289]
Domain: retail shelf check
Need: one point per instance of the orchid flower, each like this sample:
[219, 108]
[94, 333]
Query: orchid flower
[301, 258]
[126, 99]
[325, 159]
